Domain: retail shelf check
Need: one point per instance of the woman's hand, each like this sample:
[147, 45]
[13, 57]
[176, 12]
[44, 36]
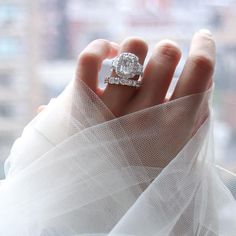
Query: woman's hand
[176, 127]
[195, 77]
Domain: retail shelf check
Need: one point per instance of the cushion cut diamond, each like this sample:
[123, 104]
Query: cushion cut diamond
[127, 65]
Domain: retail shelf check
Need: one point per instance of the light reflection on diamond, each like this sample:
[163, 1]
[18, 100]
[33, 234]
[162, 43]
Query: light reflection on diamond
[123, 81]
[112, 80]
[127, 65]
[116, 80]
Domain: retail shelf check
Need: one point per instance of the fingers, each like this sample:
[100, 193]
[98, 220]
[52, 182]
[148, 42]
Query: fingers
[158, 74]
[198, 70]
[116, 97]
[195, 77]
[90, 61]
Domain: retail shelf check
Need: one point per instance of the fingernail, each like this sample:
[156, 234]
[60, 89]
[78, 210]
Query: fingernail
[205, 31]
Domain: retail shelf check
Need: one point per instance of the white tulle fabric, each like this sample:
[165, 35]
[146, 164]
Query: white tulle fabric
[78, 170]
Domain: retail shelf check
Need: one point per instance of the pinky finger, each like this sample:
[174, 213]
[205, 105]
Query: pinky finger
[198, 70]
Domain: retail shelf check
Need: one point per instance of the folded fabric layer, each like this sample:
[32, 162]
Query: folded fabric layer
[79, 170]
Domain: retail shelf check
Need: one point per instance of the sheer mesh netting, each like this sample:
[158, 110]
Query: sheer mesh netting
[79, 170]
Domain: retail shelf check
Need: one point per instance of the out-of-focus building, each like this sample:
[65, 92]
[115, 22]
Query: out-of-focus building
[41, 39]
[19, 87]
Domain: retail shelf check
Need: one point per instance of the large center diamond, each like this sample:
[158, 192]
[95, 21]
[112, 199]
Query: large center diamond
[126, 65]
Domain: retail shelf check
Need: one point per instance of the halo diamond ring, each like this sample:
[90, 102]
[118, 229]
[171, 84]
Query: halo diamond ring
[126, 65]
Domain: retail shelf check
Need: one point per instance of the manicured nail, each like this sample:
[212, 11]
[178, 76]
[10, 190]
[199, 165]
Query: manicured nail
[205, 31]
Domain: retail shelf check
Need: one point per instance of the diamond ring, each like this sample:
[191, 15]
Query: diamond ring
[123, 81]
[126, 65]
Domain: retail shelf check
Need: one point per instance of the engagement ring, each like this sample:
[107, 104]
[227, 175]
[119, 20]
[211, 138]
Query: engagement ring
[126, 65]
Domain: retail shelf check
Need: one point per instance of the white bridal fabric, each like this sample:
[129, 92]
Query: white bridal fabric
[78, 170]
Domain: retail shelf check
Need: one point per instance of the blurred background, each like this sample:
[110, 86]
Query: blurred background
[41, 39]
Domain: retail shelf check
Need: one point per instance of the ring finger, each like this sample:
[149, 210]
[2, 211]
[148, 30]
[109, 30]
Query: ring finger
[115, 96]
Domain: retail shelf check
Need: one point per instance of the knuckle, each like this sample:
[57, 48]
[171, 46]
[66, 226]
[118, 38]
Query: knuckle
[102, 41]
[203, 63]
[90, 54]
[170, 51]
[135, 44]
[136, 41]
[88, 57]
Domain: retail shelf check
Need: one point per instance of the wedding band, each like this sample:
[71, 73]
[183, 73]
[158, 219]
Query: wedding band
[127, 65]
[123, 81]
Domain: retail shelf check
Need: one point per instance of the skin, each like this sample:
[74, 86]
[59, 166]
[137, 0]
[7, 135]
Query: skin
[195, 77]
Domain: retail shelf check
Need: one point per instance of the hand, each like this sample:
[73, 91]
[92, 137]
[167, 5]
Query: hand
[121, 100]
[195, 77]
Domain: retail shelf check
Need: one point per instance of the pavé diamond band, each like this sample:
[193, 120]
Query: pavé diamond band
[123, 81]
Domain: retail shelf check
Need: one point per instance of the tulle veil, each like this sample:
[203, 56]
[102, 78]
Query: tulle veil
[79, 170]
